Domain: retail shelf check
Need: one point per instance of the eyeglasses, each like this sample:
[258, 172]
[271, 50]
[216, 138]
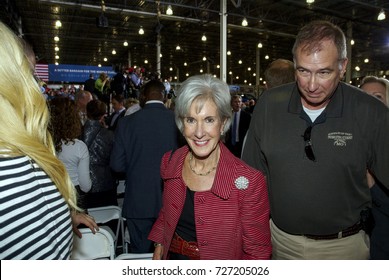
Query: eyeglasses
[308, 144]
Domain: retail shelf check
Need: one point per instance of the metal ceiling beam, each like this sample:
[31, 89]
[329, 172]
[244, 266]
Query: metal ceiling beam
[161, 16]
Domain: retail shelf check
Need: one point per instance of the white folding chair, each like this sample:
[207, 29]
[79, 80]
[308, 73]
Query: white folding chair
[105, 214]
[133, 256]
[93, 246]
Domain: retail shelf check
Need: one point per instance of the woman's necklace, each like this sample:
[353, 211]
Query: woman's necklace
[194, 171]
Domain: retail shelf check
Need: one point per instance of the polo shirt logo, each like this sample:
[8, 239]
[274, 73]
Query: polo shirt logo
[340, 138]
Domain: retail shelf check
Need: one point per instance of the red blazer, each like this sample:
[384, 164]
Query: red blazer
[232, 219]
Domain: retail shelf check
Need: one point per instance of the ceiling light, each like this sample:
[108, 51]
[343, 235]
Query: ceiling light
[58, 24]
[310, 1]
[266, 57]
[381, 15]
[113, 52]
[146, 61]
[170, 69]
[366, 60]
[185, 64]
[204, 58]
[352, 42]
[56, 56]
[56, 38]
[178, 48]
[99, 65]
[357, 68]
[56, 63]
[244, 22]
[141, 31]
[125, 43]
[260, 45]
[240, 61]
[204, 38]
[56, 49]
[228, 52]
[105, 59]
[169, 10]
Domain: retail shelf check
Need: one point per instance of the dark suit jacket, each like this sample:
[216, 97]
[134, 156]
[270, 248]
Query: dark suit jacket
[140, 141]
[114, 125]
[244, 123]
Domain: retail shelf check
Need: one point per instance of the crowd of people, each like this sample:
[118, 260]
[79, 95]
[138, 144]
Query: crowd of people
[300, 173]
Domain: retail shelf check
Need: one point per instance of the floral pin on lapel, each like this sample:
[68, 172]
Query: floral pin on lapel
[241, 183]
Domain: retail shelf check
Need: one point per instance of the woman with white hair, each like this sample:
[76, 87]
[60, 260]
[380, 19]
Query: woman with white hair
[214, 205]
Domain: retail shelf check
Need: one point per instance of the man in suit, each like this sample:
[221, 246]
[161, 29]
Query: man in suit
[141, 139]
[90, 84]
[240, 124]
[119, 111]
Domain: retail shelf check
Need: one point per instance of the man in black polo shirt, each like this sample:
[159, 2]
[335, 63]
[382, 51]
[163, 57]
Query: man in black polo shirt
[314, 140]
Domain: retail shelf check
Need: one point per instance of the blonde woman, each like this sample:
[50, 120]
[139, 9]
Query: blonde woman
[38, 203]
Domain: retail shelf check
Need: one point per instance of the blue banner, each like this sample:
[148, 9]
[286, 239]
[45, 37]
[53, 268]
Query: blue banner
[66, 73]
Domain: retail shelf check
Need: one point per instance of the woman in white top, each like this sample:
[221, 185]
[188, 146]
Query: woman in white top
[66, 128]
[38, 203]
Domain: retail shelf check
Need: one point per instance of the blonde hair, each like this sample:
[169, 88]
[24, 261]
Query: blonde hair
[25, 116]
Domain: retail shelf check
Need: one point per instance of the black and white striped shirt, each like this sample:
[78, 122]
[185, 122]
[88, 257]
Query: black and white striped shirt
[35, 220]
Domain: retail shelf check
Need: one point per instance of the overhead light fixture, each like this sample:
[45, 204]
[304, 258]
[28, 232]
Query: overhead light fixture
[56, 38]
[125, 43]
[244, 22]
[58, 24]
[204, 58]
[240, 61]
[105, 59]
[381, 15]
[178, 48]
[56, 49]
[366, 60]
[228, 52]
[310, 1]
[141, 31]
[56, 56]
[113, 52]
[260, 45]
[146, 61]
[204, 38]
[169, 10]
[99, 65]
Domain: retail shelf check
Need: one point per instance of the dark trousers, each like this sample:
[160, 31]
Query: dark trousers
[139, 230]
